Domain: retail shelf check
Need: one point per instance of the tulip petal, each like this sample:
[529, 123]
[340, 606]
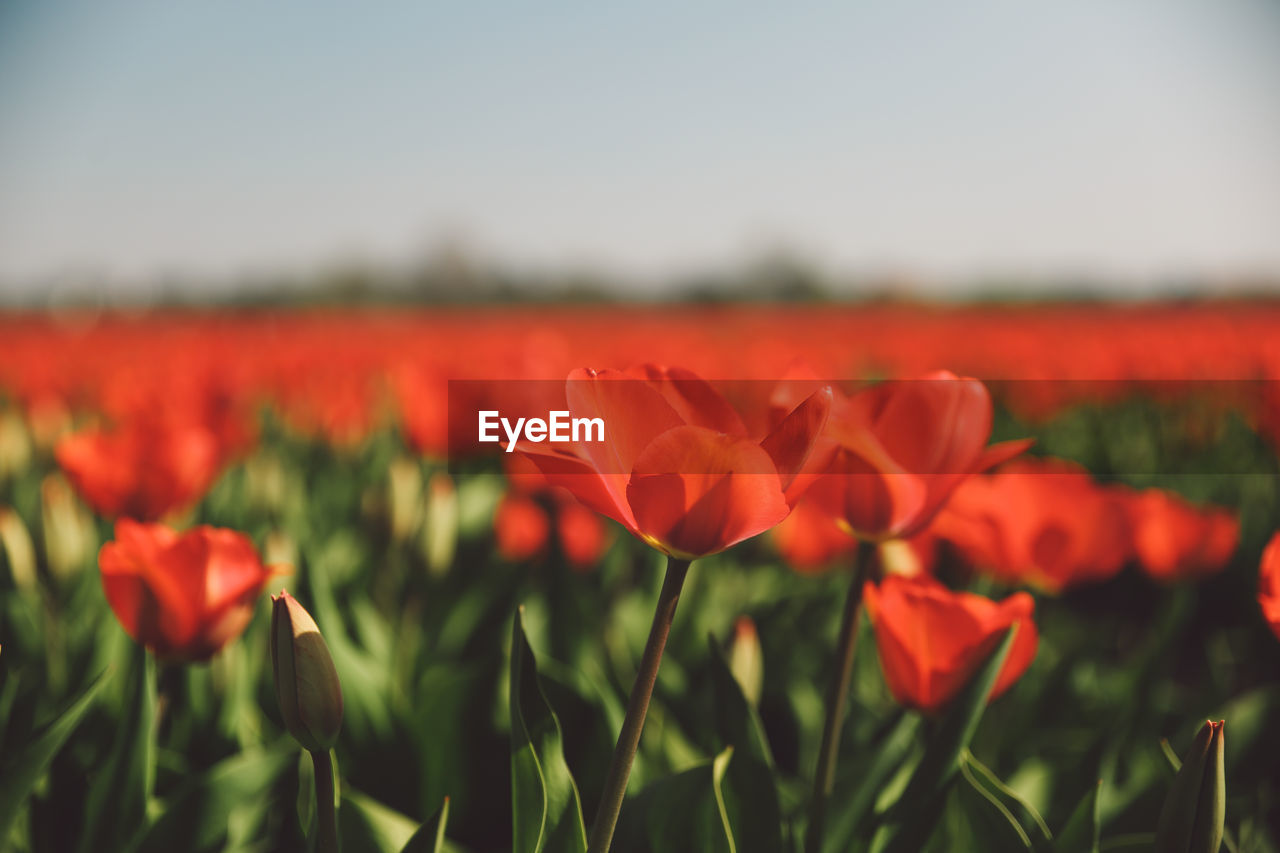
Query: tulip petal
[152, 597]
[791, 441]
[695, 491]
[603, 492]
[873, 502]
[936, 424]
[1001, 452]
[633, 411]
[693, 398]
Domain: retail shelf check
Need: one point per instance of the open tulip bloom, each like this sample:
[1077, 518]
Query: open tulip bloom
[680, 470]
[677, 466]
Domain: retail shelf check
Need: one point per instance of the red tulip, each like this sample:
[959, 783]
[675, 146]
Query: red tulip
[523, 524]
[141, 469]
[521, 527]
[183, 596]
[677, 467]
[1269, 584]
[932, 640]
[1043, 522]
[895, 452]
[1175, 540]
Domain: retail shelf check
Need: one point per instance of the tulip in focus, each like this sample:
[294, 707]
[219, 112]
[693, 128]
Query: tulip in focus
[677, 467]
[932, 640]
[1195, 810]
[306, 680]
[1269, 584]
[182, 595]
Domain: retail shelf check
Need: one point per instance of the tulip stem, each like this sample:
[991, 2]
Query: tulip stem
[326, 814]
[624, 754]
[838, 690]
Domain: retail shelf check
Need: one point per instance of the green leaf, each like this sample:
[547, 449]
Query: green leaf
[1025, 814]
[20, 772]
[367, 825]
[974, 819]
[866, 776]
[365, 677]
[121, 788]
[748, 791]
[737, 722]
[231, 798]
[430, 836]
[687, 811]
[910, 821]
[1080, 833]
[547, 813]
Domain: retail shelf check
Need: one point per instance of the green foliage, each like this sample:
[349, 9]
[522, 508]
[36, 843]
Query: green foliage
[22, 770]
[546, 811]
[447, 699]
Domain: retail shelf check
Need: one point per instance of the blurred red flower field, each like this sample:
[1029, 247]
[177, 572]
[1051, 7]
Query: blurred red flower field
[1052, 517]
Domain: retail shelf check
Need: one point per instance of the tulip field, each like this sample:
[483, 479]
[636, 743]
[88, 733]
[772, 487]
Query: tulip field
[878, 578]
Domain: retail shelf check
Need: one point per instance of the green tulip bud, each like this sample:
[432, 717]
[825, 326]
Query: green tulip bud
[307, 686]
[1195, 810]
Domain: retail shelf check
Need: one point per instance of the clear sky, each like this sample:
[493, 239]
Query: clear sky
[1136, 139]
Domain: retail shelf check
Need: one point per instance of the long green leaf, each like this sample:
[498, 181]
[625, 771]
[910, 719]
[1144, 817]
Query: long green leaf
[737, 722]
[975, 819]
[687, 811]
[547, 812]
[368, 826]
[910, 821]
[20, 772]
[858, 787]
[430, 836]
[1081, 831]
[120, 790]
[1026, 815]
[232, 795]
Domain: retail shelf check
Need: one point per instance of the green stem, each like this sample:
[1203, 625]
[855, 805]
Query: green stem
[624, 754]
[838, 690]
[326, 815]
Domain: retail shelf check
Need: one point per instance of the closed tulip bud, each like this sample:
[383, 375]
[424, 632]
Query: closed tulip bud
[440, 529]
[1195, 810]
[15, 445]
[404, 497]
[746, 660]
[17, 550]
[68, 527]
[307, 686]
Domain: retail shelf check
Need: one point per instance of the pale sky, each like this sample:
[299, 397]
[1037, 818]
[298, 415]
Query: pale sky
[1137, 140]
